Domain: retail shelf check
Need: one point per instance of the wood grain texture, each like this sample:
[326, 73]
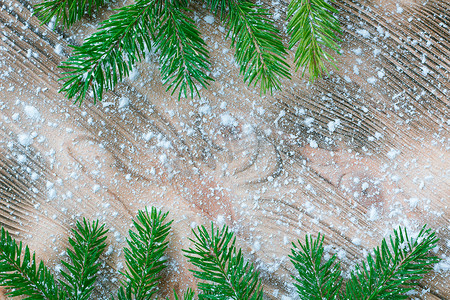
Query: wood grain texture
[234, 156]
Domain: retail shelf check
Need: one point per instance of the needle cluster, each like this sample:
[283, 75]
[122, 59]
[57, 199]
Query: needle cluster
[166, 28]
[393, 270]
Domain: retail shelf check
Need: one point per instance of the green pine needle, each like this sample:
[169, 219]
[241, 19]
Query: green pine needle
[145, 255]
[21, 276]
[188, 295]
[223, 269]
[108, 55]
[88, 245]
[318, 279]
[259, 50]
[394, 270]
[184, 58]
[313, 26]
[66, 12]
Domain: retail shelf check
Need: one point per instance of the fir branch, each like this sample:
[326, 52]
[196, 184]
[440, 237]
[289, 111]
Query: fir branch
[145, 255]
[318, 279]
[394, 271]
[259, 50]
[314, 26]
[188, 295]
[88, 245]
[109, 55]
[22, 277]
[184, 58]
[66, 12]
[222, 267]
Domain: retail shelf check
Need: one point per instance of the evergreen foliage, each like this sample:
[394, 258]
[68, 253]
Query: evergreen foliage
[392, 271]
[163, 27]
[88, 245]
[222, 268]
[317, 279]
[313, 26]
[19, 272]
[145, 255]
[66, 12]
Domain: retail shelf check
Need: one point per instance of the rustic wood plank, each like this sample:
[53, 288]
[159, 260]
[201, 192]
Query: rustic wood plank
[236, 157]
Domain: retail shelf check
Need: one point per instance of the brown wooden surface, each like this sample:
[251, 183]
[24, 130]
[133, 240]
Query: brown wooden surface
[258, 173]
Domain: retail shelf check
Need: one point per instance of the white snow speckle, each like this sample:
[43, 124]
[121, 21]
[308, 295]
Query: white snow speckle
[364, 186]
[256, 246]
[313, 144]
[25, 139]
[220, 220]
[381, 74]
[147, 136]
[425, 70]
[332, 125]
[346, 78]
[308, 121]
[205, 109]
[96, 188]
[342, 254]
[357, 51]
[134, 74]
[399, 9]
[209, 19]
[58, 268]
[109, 251]
[413, 202]
[373, 214]
[443, 266]
[393, 153]
[364, 33]
[32, 113]
[124, 102]
[371, 80]
[59, 50]
[21, 159]
[227, 120]
[356, 241]
[51, 194]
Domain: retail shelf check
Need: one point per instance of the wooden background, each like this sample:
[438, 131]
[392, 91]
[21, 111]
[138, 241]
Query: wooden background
[270, 167]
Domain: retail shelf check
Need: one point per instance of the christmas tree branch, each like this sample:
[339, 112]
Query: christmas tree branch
[188, 295]
[224, 272]
[66, 12]
[88, 245]
[395, 270]
[21, 276]
[314, 27]
[184, 59]
[259, 50]
[317, 279]
[144, 257]
[109, 55]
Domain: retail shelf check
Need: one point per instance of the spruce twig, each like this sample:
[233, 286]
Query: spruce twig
[21, 276]
[66, 12]
[224, 272]
[109, 55]
[314, 27]
[259, 50]
[317, 279]
[184, 58]
[88, 245]
[188, 295]
[144, 257]
[394, 270]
